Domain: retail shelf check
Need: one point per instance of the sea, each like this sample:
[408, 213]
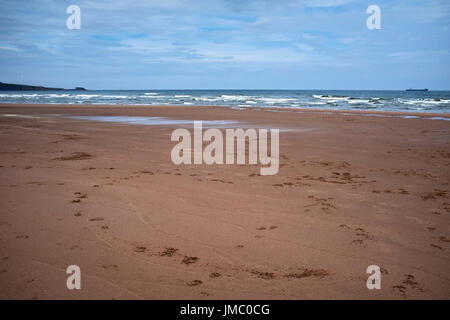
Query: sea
[401, 101]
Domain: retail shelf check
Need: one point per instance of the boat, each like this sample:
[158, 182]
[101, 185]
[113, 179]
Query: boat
[417, 89]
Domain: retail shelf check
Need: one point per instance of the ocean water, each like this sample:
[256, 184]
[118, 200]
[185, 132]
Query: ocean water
[402, 101]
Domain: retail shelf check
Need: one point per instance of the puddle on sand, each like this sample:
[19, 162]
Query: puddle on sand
[155, 121]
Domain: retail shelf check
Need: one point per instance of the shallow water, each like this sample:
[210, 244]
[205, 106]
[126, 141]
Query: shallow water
[154, 121]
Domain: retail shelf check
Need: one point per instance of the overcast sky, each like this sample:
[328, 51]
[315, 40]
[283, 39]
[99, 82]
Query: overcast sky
[226, 44]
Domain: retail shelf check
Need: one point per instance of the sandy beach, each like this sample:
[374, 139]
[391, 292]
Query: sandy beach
[351, 191]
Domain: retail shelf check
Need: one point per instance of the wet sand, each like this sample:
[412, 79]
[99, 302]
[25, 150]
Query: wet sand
[352, 191]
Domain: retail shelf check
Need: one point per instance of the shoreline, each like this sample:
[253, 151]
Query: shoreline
[254, 108]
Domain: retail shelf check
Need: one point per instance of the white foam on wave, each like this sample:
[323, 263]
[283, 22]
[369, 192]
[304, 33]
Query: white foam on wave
[56, 95]
[115, 97]
[276, 100]
[208, 99]
[331, 98]
[151, 96]
[227, 97]
[356, 101]
[426, 102]
[87, 96]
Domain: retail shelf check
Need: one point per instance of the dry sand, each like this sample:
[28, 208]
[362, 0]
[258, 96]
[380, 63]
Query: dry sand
[352, 191]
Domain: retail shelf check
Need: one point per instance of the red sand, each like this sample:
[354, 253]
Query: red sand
[352, 191]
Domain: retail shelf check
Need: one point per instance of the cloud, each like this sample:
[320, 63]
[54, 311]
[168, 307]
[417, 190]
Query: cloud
[293, 42]
[10, 48]
[327, 3]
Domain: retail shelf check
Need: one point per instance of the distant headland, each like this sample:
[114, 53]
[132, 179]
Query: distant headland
[23, 87]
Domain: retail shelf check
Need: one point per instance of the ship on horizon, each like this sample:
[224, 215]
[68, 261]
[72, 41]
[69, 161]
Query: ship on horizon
[425, 89]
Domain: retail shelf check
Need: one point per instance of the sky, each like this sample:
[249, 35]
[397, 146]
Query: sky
[226, 44]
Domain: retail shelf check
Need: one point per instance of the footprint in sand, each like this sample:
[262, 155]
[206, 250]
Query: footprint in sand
[194, 283]
[75, 156]
[140, 249]
[189, 260]
[110, 266]
[446, 206]
[95, 219]
[362, 234]
[263, 275]
[168, 252]
[72, 137]
[409, 282]
[436, 246]
[323, 204]
[400, 288]
[437, 193]
[214, 275]
[222, 181]
[400, 191]
[80, 196]
[306, 273]
[144, 172]
[269, 228]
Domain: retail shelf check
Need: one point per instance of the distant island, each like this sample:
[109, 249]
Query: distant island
[23, 87]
